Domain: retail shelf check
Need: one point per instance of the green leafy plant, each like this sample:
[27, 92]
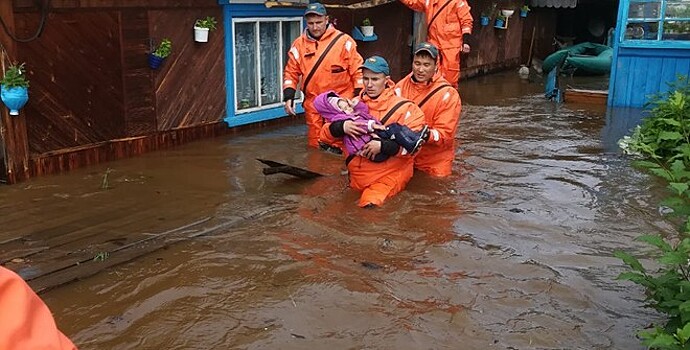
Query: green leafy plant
[366, 22]
[663, 142]
[525, 8]
[15, 77]
[164, 49]
[208, 22]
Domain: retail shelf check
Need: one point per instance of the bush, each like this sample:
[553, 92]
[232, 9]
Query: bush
[15, 77]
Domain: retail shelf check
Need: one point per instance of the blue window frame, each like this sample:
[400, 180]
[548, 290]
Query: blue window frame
[656, 23]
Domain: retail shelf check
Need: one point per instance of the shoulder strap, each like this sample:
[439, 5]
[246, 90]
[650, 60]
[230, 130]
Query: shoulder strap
[431, 94]
[318, 62]
[392, 110]
[437, 13]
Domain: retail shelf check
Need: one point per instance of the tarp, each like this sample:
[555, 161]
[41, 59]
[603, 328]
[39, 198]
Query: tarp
[554, 3]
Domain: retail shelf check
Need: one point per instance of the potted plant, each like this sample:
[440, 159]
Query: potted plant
[14, 89]
[160, 52]
[500, 21]
[485, 19]
[524, 10]
[367, 28]
[202, 27]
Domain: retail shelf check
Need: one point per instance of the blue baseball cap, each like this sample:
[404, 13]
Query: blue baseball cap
[430, 48]
[316, 8]
[376, 64]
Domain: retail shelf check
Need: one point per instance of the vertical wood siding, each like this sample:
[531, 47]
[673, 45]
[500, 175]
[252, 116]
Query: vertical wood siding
[645, 71]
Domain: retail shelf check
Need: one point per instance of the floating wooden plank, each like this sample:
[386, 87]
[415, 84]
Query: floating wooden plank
[584, 96]
[276, 167]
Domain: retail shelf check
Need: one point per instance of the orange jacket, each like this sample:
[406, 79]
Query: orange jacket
[25, 321]
[442, 114]
[396, 171]
[339, 70]
[447, 29]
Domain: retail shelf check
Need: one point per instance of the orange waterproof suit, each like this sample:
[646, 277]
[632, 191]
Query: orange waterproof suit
[339, 71]
[448, 24]
[25, 321]
[379, 181]
[441, 105]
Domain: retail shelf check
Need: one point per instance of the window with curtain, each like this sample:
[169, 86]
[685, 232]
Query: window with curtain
[658, 20]
[260, 47]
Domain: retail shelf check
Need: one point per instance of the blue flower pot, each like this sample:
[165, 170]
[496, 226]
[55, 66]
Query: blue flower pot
[500, 23]
[155, 61]
[14, 98]
[484, 20]
[523, 13]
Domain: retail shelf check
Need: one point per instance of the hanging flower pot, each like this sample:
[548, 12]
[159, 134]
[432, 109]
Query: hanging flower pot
[159, 54]
[14, 98]
[201, 34]
[484, 20]
[524, 10]
[500, 23]
[14, 91]
[367, 28]
[202, 27]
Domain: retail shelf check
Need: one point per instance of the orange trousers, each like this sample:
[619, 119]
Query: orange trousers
[314, 122]
[450, 65]
[25, 321]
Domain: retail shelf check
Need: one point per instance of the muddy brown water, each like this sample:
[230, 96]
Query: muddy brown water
[514, 251]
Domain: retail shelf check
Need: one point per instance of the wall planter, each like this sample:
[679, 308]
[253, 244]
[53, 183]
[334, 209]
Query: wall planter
[484, 20]
[14, 89]
[202, 27]
[500, 23]
[366, 28]
[524, 11]
[14, 98]
[158, 55]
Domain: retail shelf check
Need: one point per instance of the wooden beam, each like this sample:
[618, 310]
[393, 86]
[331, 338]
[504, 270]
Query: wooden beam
[12, 128]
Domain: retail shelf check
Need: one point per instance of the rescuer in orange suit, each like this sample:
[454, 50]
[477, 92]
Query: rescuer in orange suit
[441, 105]
[449, 25]
[25, 321]
[321, 66]
[378, 181]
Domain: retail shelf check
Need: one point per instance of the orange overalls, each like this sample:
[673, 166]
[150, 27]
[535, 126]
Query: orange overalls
[339, 71]
[442, 113]
[446, 31]
[379, 181]
[25, 321]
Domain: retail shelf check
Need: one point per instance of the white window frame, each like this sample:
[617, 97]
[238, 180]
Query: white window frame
[281, 54]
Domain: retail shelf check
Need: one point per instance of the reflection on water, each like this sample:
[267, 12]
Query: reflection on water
[514, 251]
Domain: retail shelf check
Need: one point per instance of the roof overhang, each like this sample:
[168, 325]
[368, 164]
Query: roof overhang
[554, 3]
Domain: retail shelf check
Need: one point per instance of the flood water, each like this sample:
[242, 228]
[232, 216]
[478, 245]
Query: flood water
[514, 251]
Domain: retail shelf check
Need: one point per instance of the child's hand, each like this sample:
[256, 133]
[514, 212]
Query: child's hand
[377, 126]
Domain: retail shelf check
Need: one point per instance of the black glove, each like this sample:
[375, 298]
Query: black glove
[337, 129]
[288, 94]
[389, 147]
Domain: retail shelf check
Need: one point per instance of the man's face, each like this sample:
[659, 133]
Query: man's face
[423, 68]
[316, 25]
[374, 83]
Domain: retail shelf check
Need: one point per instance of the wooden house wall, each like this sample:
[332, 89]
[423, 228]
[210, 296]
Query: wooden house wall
[190, 86]
[640, 72]
[75, 73]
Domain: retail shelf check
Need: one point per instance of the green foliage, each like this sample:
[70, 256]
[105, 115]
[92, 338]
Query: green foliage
[208, 22]
[366, 22]
[525, 8]
[15, 77]
[663, 143]
[164, 49]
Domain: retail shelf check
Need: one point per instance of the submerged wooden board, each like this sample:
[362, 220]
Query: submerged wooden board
[583, 96]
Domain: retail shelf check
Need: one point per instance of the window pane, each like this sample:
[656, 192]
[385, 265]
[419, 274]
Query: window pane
[678, 9]
[291, 31]
[270, 75]
[644, 10]
[642, 31]
[245, 60]
[676, 30]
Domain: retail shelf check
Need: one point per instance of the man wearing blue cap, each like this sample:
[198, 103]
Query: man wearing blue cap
[378, 181]
[441, 105]
[324, 58]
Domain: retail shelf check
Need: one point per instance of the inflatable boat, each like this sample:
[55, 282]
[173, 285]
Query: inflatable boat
[584, 58]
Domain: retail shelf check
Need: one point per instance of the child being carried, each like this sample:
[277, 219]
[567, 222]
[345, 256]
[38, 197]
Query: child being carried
[334, 108]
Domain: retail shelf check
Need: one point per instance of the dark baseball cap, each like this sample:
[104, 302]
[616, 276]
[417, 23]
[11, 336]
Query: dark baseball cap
[376, 64]
[316, 8]
[430, 48]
